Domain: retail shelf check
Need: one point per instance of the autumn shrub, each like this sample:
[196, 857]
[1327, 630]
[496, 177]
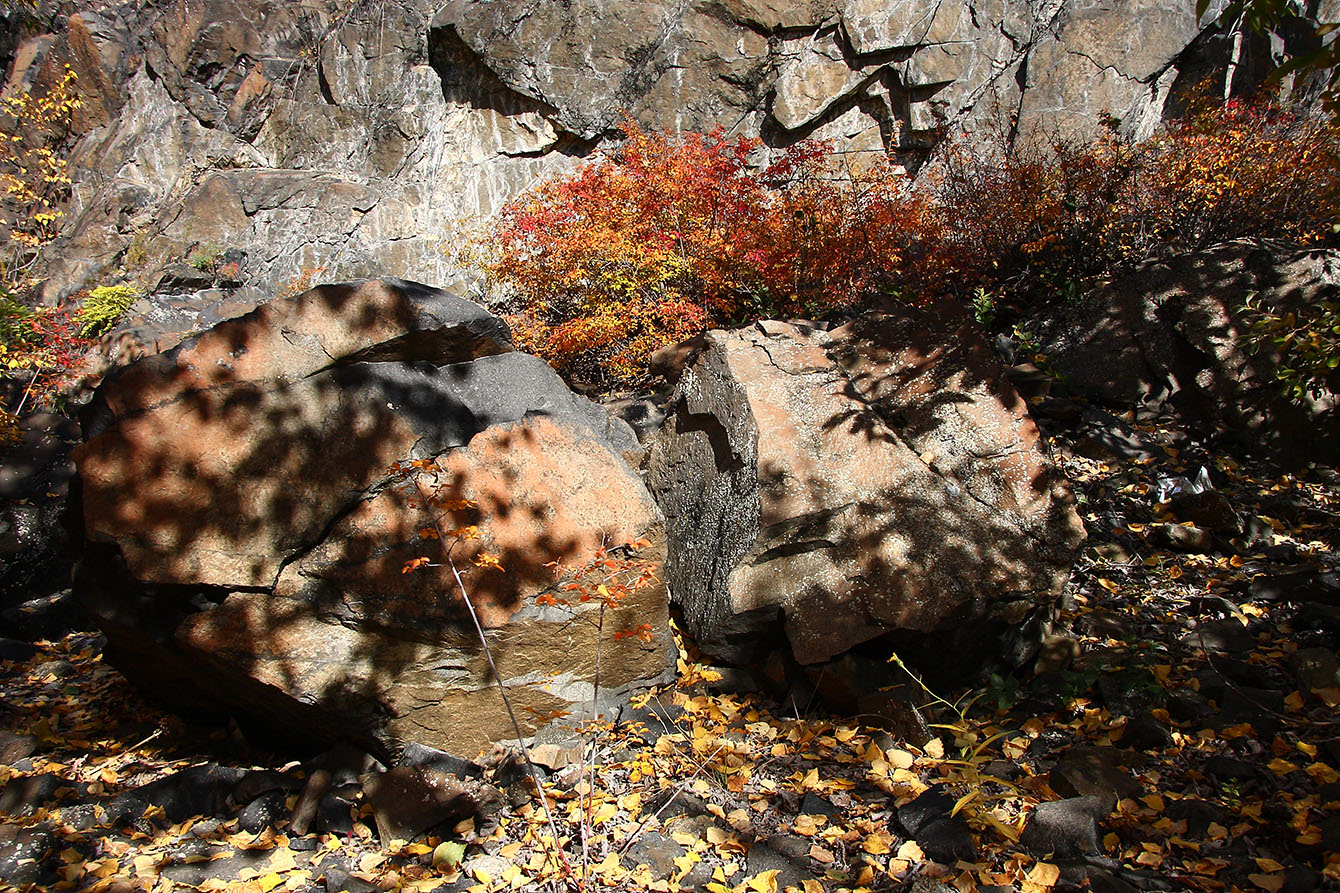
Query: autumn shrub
[664, 237]
[34, 179]
[103, 306]
[42, 348]
[667, 236]
[1036, 220]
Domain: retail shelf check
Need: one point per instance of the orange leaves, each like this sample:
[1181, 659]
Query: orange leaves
[414, 564]
[664, 238]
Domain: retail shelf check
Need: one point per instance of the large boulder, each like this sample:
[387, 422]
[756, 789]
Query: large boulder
[1171, 334]
[252, 498]
[877, 480]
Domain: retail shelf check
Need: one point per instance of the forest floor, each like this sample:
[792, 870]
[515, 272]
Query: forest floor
[1180, 733]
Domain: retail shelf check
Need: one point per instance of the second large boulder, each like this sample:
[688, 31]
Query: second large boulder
[878, 480]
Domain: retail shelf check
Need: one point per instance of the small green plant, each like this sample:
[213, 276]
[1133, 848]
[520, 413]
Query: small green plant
[984, 307]
[137, 253]
[1305, 342]
[974, 754]
[103, 306]
[204, 258]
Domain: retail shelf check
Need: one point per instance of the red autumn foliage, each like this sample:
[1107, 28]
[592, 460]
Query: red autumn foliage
[666, 237]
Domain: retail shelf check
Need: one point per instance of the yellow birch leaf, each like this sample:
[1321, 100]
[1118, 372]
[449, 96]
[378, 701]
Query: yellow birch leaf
[269, 881]
[1271, 882]
[911, 852]
[900, 759]
[281, 860]
[1045, 874]
[877, 844]
[764, 881]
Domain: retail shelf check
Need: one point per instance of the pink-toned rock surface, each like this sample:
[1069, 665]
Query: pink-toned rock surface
[880, 478]
[253, 497]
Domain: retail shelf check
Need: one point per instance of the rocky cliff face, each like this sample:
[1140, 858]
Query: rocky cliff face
[325, 140]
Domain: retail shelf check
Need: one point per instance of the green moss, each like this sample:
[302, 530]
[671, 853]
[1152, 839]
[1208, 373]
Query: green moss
[103, 307]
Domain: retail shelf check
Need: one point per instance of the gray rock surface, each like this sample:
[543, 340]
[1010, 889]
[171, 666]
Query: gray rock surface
[1167, 334]
[326, 140]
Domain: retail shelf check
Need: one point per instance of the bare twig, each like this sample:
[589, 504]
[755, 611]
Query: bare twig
[516, 726]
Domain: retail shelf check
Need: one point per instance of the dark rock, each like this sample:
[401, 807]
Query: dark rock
[17, 652]
[81, 816]
[763, 857]
[23, 794]
[1144, 732]
[340, 881]
[1100, 880]
[812, 804]
[1066, 829]
[1006, 770]
[893, 712]
[1208, 509]
[1117, 442]
[1096, 771]
[731, 680]
[1262, 708]
[1198, 814]
[1300, 878]
[15, 747]
[1047, 741]
[44, 617]
[1315, 668]
[1109, 626]
[1029, 380]
[1128, 692]
[1221, 637]
[335, 814]
[946, 840]
[22, 852]
[57, 668]
[423, 757]
[1281, 586]
[409, 801]
[657, 851]
[932, 804]
[266, 811]
[196, 791]
[1182, 537]
[1056, 653]
[1323, 618]
[1226, 768]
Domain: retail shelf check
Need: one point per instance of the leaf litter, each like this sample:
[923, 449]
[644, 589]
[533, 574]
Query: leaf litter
[1186, 671]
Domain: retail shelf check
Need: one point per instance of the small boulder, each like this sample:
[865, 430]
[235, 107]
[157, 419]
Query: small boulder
[1066, 829]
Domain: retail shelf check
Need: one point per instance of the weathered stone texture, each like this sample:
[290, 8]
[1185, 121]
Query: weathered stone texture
[249, 507]
[322, 141]
[874, 479]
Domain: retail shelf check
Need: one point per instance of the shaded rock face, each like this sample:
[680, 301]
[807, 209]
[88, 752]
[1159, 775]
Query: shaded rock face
[878, 480]
[248, 528]
[1168, 333]
[326, 139]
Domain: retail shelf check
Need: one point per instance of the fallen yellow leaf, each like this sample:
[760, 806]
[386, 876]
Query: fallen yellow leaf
[1045, 874]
